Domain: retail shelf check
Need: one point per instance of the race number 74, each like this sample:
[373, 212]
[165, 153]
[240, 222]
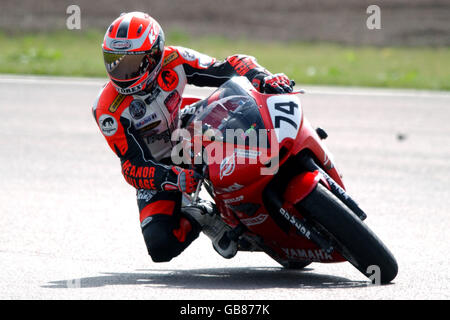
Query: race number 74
[285, 114]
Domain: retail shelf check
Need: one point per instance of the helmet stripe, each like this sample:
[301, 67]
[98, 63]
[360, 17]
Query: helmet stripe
[122, 31]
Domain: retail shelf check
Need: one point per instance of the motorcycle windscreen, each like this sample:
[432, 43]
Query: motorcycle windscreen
[231, 115]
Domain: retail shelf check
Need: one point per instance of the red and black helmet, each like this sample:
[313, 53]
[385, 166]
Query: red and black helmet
[133, 50]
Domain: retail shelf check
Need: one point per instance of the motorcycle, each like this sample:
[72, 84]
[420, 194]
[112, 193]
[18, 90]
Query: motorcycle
[275, 183]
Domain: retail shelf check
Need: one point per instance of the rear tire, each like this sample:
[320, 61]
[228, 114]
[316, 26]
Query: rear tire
[353, 239]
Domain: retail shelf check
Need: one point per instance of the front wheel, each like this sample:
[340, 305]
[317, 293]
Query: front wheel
[353, 239]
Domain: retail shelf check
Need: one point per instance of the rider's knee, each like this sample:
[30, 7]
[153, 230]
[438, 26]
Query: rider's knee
[158, 245]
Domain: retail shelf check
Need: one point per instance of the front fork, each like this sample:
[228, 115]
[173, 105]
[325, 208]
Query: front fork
[298, 188]
[301, 225]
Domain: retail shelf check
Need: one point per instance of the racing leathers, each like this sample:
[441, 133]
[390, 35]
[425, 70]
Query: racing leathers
[138, 128]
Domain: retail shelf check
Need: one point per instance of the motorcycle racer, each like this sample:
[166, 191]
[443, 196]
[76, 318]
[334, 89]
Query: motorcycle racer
[137, 111]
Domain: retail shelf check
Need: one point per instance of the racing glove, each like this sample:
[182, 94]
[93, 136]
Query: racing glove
[276, 83]
[187, 180]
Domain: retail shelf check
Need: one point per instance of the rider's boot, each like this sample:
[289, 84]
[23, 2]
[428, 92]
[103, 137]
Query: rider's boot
[207, 216]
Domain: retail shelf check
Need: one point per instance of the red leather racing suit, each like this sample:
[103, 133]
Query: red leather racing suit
[138, 129]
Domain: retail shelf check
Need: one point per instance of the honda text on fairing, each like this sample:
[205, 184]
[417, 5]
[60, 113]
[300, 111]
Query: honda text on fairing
[280, 192]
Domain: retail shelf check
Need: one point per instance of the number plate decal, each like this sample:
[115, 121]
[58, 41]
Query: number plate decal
[285, 114]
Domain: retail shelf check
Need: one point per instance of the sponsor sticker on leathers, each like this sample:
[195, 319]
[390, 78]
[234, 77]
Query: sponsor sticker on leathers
[168, 80]
[137, 109]
[171, 57]
[108, 125]
[116, 103]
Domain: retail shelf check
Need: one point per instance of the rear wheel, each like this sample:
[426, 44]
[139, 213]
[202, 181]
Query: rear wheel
[352, 238]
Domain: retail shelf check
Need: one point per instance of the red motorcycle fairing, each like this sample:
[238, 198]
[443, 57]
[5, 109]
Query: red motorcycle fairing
[308, 139]
[187, 100]
[238, 186]
[305, 139]
[239, 198]
[302, 185]
[299, 248]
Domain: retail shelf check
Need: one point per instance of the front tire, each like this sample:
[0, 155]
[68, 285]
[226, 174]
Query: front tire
[353, 239]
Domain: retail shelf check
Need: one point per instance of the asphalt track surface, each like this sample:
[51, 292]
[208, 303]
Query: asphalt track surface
[69, 223]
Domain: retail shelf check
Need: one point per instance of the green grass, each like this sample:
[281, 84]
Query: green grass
[74, 53]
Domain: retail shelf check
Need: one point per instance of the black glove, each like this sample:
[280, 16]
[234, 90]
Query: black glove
[188, 112]
[187, 180]
[277, 83]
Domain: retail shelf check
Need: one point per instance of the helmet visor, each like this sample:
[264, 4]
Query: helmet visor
[130, 66]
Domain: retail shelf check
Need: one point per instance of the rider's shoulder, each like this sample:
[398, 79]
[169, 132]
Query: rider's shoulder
[177, 55]
[110, 101]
